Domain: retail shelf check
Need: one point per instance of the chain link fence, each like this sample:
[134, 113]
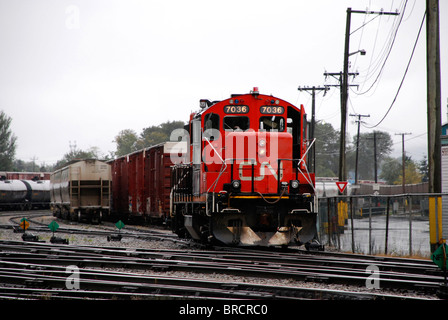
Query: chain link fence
[393, 225]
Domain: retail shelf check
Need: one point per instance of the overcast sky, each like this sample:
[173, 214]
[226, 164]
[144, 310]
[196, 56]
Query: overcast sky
[82, 71]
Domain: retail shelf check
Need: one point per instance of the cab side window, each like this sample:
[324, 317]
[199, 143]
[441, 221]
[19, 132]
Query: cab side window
[211, 126]
[294, 128]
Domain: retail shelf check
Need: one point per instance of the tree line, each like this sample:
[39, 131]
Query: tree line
[127, 141]
[389, 169]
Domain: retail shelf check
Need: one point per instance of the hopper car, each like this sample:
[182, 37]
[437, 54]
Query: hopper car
[81, 191]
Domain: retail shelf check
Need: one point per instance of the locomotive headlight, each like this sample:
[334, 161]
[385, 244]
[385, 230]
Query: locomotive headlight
[294, 186]
[262, 143]
[236, 185]
[262, 152]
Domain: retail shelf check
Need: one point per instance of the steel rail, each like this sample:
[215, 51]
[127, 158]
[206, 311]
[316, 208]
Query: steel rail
[107, 284]
[218, 262]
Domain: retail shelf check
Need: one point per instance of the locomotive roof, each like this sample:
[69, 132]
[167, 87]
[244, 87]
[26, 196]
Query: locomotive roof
[206, 104]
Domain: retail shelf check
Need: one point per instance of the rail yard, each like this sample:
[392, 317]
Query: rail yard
[149, 263]
[225, 210]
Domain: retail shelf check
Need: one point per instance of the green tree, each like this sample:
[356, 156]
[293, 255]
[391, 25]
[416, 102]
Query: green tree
[157, 134]
[30, 166]
[327, 150]
[366, 153]
[424, 169]
[411, 171]
[390, 170]
[7, 143]
[126, 142]
[76, 154]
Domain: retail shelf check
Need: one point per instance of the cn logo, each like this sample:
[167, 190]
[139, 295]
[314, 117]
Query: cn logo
[265, 169]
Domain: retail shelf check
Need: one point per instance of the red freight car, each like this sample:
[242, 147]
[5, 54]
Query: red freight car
[9, 175]
[142, 184]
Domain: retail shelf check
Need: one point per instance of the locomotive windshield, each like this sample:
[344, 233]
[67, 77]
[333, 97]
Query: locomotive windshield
[236, 123]
[272, 123]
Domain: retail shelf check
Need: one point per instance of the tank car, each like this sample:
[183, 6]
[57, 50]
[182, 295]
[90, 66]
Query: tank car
[246, 182]
[24, 194]
[38, 193]
[12, 194]
[81, 190]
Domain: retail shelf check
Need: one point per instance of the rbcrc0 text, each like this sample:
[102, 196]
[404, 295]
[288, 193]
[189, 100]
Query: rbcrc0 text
[245, 309]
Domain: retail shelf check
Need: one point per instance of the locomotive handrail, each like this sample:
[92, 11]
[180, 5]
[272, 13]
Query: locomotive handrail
[299, 161]
[223, 167]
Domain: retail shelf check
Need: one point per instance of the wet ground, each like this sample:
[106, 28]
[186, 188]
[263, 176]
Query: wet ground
[369, 236]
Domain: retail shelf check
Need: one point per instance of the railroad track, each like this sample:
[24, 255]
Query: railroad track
[111, 284]
[419, 277]
[105, 229]
[40, 262]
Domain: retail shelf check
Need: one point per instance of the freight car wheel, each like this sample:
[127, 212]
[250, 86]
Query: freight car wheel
[65, 214]
[178, 224]
[97, 218]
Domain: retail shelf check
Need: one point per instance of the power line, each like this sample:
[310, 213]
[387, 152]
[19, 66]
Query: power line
[388, 53]
[404, 76]
[378, 62]
[313, 90]
[343, 76]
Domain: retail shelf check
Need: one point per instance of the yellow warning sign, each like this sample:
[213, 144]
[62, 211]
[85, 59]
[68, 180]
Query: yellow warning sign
[24, 224]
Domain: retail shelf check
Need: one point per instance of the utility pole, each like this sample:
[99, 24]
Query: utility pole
[313, 90]
[344, 86]
[433, 95]
[403, 157]
[342, 170]
[72, 146]
[375, 156]
[357, 142]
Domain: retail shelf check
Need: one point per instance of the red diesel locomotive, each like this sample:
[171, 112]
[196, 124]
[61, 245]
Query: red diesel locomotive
[246, 182]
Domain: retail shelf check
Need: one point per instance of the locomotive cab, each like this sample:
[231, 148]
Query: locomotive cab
[248, 175]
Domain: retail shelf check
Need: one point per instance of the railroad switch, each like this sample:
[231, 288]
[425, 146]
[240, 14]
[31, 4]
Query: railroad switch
[58, 240]
[114, 237]
[30, 237]
[17, 230]
[314, 246]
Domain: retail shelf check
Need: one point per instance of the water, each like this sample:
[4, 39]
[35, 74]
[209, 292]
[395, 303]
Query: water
[370, 236]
